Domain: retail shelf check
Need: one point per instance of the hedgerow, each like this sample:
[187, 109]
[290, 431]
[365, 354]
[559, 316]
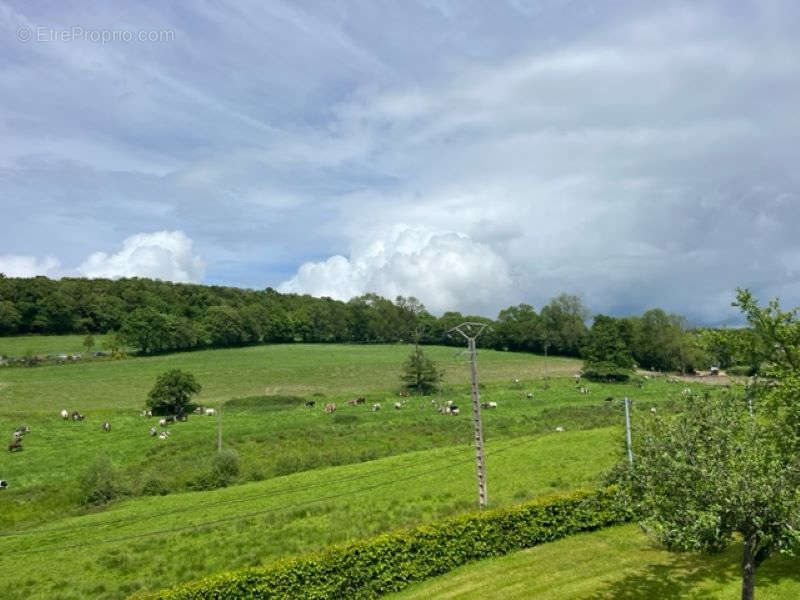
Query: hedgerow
[390, 562]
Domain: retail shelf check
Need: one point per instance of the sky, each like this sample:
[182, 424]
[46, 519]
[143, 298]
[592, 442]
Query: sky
[472, 154]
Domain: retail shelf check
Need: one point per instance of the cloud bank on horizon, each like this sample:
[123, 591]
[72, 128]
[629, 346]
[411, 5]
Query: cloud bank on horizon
[473, 156]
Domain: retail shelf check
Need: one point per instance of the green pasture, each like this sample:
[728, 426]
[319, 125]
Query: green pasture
[611, 564]
[290, 369]
[255, 523]
[20, 345]
[307, 478]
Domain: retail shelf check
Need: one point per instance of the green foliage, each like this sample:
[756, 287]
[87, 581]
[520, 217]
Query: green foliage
[740, 371]
[715, 472]
[88, 343]
[605, 372]
[226, 465]
[172, 393]
[391, 561]
[10, 318]
[100, 483]
[225, 326]
[420, 374]
[563, 325]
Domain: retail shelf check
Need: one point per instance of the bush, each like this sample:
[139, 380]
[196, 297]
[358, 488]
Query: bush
[741, 371]
[224, 469]
[100, 483]
[605, 372]
[390, 562]
[226, 464]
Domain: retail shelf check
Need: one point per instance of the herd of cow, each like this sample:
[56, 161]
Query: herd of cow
[443, 408]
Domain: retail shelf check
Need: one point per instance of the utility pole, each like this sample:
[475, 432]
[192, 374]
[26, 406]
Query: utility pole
[628, 442]
[219, 429]
[546, 378]
[470, 331]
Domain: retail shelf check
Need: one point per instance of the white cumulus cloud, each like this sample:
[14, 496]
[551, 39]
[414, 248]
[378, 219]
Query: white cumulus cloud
[164, 255]
[13, 265]
[442, 269]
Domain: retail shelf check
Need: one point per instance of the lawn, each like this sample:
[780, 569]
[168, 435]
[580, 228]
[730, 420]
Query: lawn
[614, 563]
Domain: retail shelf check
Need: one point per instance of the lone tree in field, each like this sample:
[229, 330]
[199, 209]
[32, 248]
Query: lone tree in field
[420, 373]
[172, 393]
[728, 468]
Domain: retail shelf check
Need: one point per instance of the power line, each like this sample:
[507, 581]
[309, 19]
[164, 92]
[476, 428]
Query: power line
[240, 499]
[56, 548]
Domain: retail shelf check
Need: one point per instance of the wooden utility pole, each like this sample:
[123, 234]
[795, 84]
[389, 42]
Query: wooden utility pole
[628, 442]
[471, 331]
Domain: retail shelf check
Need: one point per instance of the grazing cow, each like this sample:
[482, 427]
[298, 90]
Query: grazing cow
[19, 432]
[198, 410]
[330, 407]
[15, 445]
[653, 409]
[210, 412]
[106, 426]
[163, 435]
[609, 398]
[360, 400]
[76, 416]
[560, 429]
[376, 406]
[3, 484]
[492, 405]
[529, 395]
[454, 410]
[64, 414]
[153, 431]
[162, 422]
[584, 390]
[309, 403]
[352, 402]
[398, 405]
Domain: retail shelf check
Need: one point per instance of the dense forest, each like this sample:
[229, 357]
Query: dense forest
[159, 316]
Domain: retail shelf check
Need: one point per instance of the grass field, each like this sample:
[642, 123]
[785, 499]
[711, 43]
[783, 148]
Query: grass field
[89, 556]
[307, 478]
[290, 369]
[615, 563]
[19, 345]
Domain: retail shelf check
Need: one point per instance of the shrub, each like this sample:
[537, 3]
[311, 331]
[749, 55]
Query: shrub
[100, 483]
[605, 372]
[389, 562]
[741, 370]
[224, 469]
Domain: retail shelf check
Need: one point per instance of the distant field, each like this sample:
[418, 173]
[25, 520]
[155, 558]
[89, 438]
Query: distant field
[619, 562]
[299, 369]
[88, 556]
[19, 345]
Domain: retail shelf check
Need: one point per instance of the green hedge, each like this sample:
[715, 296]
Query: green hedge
[390, 562]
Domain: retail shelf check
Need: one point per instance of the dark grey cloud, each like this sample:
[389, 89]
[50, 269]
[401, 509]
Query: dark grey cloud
[639, 155]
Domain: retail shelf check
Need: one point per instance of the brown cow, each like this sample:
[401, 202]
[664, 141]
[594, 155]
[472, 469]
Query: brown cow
[330, 407]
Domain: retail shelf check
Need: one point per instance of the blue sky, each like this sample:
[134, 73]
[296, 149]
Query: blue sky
[472, 154]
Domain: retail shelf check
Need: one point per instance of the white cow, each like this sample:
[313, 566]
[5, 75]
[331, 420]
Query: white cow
[64, 414]
[210, 412]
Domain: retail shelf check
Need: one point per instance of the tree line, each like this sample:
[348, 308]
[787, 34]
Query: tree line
[159, 316]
